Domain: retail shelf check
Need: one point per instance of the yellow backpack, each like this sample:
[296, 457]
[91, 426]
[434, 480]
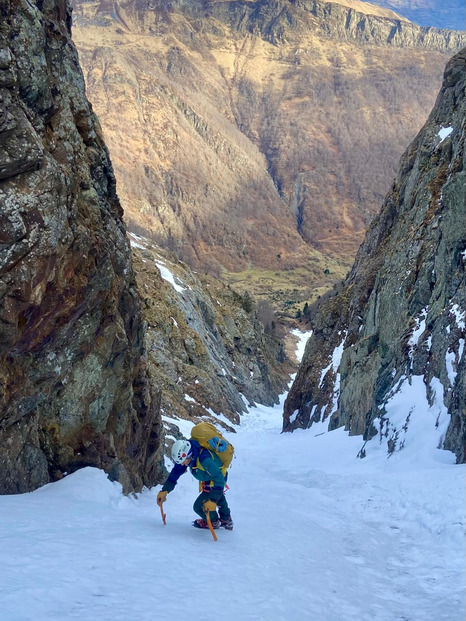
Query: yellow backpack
[209, 438]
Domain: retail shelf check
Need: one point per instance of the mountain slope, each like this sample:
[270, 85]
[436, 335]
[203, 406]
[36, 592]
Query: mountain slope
[438, 13]
[207, 350]
[256, 134]
[370, 8]
[397, 330]
[318, 535]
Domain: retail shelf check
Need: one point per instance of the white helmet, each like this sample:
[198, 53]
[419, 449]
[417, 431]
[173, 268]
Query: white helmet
[181, 449]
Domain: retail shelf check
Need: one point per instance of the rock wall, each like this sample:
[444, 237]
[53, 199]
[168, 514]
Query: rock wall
[395, 335]
[369, 28]
[280, 20]
[73, 384]
[207, 350]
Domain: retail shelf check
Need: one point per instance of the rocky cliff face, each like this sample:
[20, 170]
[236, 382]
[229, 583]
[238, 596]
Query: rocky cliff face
[281, 20]
[73, 383]
[207, 350]
[387, 355]
[259, 134]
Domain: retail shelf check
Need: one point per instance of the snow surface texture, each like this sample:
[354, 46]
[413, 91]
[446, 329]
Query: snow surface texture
[319, 536]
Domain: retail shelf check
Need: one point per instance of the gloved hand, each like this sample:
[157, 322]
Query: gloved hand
[161, 498]
[210, 505]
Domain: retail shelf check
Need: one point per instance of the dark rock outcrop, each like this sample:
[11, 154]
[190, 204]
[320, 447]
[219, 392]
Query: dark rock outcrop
[74, 389]
[398, 327]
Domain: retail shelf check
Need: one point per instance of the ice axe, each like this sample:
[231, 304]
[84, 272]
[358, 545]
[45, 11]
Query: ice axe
[209, 524]
[163, 514]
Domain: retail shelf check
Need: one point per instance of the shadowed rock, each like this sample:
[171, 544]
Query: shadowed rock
[73, 384]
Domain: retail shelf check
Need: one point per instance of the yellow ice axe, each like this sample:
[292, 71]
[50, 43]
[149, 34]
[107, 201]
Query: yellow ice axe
[162, 514]
[209, 524]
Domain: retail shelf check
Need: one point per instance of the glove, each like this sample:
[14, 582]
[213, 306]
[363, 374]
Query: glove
[210, 505]
[161, 498]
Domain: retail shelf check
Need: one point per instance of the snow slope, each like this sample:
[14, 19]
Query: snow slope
[319, 536]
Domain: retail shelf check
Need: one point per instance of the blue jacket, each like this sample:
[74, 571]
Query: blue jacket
[205, 466]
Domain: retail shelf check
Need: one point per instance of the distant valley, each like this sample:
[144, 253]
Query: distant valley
[257, 139]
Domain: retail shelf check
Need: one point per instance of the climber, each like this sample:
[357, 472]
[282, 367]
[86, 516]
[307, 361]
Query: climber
[207, 467]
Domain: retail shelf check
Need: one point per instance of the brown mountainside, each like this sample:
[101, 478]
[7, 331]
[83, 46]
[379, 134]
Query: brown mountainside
[371, 8]
[260, 134]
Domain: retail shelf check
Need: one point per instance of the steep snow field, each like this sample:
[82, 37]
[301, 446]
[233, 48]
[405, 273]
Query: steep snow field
[319, 536]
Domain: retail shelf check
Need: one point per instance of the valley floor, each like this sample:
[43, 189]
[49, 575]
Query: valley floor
[319, 536]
